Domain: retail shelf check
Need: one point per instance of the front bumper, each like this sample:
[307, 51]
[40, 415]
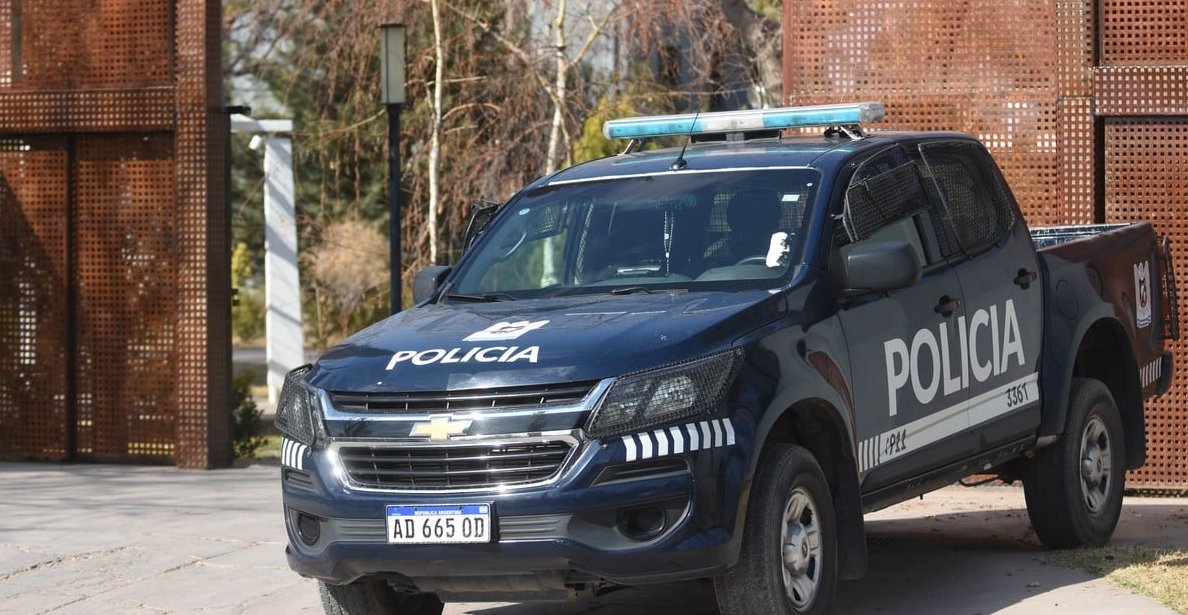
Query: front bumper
[651, 507]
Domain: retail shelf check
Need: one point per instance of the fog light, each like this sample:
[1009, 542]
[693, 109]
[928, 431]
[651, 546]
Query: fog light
[309, 529]
[642, 523]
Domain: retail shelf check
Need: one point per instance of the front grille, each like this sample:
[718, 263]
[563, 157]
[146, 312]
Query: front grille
[453, 467]
[472, 399]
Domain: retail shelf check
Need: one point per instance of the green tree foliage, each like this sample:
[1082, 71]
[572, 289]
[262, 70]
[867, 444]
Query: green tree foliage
[592, 144]
[247, 309]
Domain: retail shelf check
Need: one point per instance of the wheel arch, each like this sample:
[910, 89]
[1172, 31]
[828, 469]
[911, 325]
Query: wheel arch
[1103, 352]
[819, 427]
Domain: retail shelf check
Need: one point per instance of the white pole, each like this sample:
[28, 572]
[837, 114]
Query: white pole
[284, 339]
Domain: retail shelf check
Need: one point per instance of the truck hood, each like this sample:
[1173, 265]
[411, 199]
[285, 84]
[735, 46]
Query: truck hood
[451, 347]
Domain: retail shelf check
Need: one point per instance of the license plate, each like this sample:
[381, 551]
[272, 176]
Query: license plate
[439, 524]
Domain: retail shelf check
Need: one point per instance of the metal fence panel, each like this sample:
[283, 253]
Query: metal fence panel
[1146, 166]
[33, 298]
[1084, 104]
[114, 266]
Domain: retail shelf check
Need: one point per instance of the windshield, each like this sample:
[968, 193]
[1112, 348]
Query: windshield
[728, 230]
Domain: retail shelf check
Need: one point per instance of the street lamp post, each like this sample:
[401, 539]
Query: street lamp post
[392, 60]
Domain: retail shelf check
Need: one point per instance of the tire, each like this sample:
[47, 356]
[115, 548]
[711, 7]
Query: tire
[788, 560]
[1074, 487]
[375, 598]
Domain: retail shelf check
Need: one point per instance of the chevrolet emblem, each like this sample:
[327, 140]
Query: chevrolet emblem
[440, 428]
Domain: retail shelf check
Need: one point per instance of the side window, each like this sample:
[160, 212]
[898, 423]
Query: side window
[975, 206]
[884, 202]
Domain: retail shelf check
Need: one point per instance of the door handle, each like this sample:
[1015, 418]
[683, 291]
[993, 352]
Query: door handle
[947, 306]
[1024, 278]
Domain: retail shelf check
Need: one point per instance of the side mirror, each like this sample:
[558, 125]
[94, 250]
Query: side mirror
[878, 267]
[427, 281]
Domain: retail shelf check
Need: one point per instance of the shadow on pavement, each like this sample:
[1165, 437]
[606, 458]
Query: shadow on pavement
[926, 561]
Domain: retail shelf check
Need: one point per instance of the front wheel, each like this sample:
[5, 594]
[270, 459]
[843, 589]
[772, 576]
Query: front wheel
[1074, 487]
[375, 597]
[788, 560]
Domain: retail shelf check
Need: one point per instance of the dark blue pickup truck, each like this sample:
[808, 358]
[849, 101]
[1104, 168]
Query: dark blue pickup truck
[708, 361]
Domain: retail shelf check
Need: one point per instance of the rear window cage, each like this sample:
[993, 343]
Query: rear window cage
[973, 200]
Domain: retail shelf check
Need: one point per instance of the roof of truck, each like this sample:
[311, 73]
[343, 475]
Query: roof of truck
[799, 150]
[820, 136]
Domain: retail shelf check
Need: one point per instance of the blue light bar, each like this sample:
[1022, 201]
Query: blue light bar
[743, 121]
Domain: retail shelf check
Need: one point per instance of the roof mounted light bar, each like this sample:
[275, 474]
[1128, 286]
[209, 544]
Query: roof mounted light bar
[743, 121]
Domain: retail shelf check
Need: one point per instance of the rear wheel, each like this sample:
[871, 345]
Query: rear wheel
[1074, 487]
[375, 597]
[788, 560]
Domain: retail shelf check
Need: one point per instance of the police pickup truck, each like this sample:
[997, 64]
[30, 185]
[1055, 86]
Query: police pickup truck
[709, 361]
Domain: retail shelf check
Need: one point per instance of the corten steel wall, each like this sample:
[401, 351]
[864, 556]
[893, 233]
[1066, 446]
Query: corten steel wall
[1083, 104]
[114, 273]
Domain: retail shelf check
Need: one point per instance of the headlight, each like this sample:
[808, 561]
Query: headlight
[298, 410]
[665, 394]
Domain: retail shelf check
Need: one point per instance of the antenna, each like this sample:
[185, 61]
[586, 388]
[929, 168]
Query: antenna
[680, 163]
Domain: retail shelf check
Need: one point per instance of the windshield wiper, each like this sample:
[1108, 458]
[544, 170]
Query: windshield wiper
[630, 290]
[483, 298]
[643, 290]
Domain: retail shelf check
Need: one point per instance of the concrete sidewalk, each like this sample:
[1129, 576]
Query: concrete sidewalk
[128, 539]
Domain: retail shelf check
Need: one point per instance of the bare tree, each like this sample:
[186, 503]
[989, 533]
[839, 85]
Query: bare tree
[553, 78]
[763, 40]
[498, 89]
[435, 139]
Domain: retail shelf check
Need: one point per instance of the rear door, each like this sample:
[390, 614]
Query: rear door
[996, 263]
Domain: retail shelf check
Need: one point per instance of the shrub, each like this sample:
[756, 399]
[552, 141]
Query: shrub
[247, 426]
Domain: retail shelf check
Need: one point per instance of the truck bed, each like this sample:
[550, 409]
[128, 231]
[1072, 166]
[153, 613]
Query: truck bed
[1048, 236]
[1123, 262]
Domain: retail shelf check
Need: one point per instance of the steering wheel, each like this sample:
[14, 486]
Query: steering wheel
[758, 259]
[507, 248]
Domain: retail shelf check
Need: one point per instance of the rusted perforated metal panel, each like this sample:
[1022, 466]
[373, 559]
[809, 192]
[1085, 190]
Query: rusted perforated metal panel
[1141, 90]
[1075, 36]
[148, 109]
[125, 275]
[988, 69]
[204, 268]
[33, 298]
[1146, 166]
[91, 44]
[1077, 153]
[1082, 103]
[114, 328]
[1144, 32]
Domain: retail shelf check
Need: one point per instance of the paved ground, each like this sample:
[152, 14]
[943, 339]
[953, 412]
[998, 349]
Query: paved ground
[96, 540]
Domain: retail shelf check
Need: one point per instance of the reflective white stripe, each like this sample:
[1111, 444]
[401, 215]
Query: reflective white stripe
[690, 437]
[868, 456]
[662, 450]
[293, 453]
[629, 444]
[678, 442]
[994, 403]
[1150, 372]
[904, 439]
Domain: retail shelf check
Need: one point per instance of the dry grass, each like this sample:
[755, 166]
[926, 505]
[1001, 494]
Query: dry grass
[1161, 573]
